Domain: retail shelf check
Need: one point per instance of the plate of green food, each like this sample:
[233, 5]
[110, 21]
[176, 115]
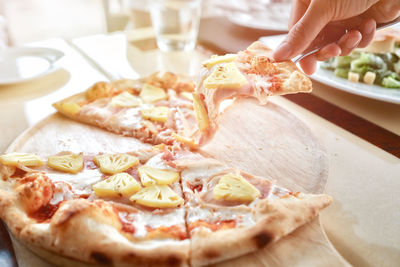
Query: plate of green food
[372, 72]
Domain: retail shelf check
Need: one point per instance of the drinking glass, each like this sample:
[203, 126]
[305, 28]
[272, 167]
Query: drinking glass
[176, 23]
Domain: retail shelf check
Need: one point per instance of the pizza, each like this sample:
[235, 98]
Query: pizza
[155, 110]
[163, 206]
[249, 73]
[167, 205]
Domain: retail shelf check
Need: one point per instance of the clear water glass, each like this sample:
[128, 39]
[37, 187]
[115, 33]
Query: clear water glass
[176, 23]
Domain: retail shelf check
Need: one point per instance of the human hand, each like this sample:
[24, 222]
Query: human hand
[341, 25]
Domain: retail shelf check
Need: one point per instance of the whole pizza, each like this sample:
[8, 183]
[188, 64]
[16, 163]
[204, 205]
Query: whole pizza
[170, 204]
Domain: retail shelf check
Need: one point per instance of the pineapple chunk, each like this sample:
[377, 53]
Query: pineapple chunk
[225, 76]
[125, 100]
[120, 184]
[185, 140]
[149, 126]
[157, 114]
[67, 163]
[69, 108]
[151, 176]
[99, 90]
[157, 196]
[152, 93]
[112, 164]
[214, 60]
[201, 113]
[187, 95]
[14, 159]
[233, 187]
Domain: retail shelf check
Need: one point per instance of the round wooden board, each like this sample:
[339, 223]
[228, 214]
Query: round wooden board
[263, 140]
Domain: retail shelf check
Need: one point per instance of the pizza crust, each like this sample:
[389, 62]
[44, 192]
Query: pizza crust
[99, 241]
[275, 219]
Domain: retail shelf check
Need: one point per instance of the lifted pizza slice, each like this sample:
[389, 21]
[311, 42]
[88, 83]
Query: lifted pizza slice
[251, 72]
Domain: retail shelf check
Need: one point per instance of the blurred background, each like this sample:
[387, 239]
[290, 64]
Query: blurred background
[23, 21]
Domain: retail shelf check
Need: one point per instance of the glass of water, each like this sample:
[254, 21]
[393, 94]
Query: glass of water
[176, 23]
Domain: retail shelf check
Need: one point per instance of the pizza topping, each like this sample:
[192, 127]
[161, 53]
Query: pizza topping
[125, 100]
[233, 187]
[173, 231]
[66, 163]
[157, 196]
[185, 140]
[214, 60]
[187, 95]
[99, 90]
[34, 191]
[115, 163]
[45, 212]
[88, 162]
[151, 176]
[225, 76]
[201, 113]
[69, 108]
[157, 114]
[195, 188]
[121, 184]
[127, 223]
[16, 159]
[215, 226]
[151, 93]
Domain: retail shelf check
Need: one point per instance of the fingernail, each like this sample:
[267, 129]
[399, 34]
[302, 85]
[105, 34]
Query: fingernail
[283, 52]
[369, 27]
[352, 41]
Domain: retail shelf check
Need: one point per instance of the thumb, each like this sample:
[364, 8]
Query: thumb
[304, 32]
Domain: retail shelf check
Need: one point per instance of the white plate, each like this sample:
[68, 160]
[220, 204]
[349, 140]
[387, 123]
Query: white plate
[327, 77]
[275, 17]
[20, 64]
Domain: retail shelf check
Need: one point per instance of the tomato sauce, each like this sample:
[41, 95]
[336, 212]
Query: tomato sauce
[127, 225]
[88, 163]
[45, 213]
[172, 231]
[194, 188]
[215, 226]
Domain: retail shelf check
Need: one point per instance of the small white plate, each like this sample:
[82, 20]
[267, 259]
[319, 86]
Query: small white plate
[327, 77]
[274, 18]
[20, 64]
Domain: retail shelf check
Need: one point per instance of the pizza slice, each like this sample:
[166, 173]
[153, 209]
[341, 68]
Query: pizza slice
[161, 207]
[230, 213]
[155, 110]
[105, 209]
[251, 72]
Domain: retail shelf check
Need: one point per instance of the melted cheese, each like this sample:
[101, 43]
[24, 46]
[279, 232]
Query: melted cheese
[81, 182]
[142, 219]
[157, 162]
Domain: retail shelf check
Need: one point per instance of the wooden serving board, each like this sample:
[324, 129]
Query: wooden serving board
[263, 140]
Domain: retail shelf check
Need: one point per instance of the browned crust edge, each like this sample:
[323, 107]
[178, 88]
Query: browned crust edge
[274, 219]
[98, 243]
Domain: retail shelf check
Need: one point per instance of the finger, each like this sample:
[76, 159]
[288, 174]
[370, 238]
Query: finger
[349, 41]
[298, 9]
[309, 64]
[367, 29]
[384, 11]
[328, 51]
[304, 31]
